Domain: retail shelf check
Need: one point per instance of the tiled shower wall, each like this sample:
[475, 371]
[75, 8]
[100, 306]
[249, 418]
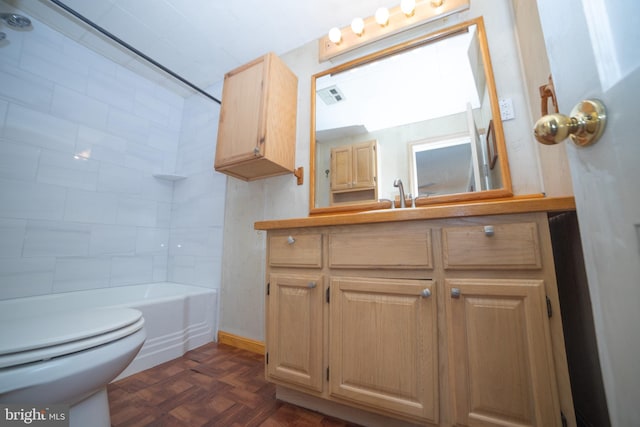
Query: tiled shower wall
[80, 140]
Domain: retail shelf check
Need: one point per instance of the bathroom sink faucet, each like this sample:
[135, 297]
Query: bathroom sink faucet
[398, 184]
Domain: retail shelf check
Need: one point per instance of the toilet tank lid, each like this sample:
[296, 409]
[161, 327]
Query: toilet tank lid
[53, 329]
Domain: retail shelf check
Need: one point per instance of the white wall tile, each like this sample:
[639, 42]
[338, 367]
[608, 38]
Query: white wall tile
[128, 126]
[91, 207]
[23, 277]
[156, 188]
[4, 106]
[79, 108]
[196, 241]
[112, 240]
[119, 179]
[131, 270]
[56, 239]
[12, 233]
[160, 265]
[99, 145]
[108, 89]
[149, 107]
[142, 157]
[23, 88]
[18, 161]
[31, 201]
[67, 170]
[75, 274]
[152, 241]
[163, 219]
[39, 129]
[52, 67]
[138, 212]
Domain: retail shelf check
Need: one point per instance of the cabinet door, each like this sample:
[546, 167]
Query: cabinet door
[341, 161]
[241, 115]
[383, 345]
[500, 353]
[294, 329]
[364, 173]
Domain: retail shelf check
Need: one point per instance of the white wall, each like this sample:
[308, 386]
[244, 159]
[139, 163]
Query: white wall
[243, 274]
[80, 138]
[197, 214]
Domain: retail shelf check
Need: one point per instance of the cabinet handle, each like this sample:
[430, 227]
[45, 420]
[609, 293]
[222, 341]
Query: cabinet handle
[291, 240]
[455, 293]
[426, 293]
[488, 230]
[311, 285]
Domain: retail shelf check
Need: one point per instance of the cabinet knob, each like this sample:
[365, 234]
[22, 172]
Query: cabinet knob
[311, 285]
[455, 293]
[426, 293]
[291, 240]
[488, 230]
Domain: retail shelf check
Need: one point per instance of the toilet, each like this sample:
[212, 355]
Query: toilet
[69, 358]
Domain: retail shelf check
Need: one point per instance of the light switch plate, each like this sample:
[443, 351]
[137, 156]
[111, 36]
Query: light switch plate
[506, 109]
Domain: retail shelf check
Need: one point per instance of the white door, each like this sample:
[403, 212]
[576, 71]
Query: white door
[594, 51]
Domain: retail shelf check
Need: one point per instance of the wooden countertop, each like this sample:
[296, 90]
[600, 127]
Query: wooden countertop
[518, 204]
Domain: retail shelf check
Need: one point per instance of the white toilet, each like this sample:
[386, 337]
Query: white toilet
[69, 358]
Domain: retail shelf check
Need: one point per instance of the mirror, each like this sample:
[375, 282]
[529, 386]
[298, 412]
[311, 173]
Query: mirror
[428, 110]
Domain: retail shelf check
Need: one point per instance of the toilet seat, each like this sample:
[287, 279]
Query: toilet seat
[41, 338]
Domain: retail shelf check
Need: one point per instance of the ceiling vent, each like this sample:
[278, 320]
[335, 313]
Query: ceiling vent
[331, 95]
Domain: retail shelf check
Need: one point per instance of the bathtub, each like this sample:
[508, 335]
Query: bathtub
[177, 317]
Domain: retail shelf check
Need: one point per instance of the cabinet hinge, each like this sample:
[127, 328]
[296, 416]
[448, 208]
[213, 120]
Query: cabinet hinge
[565, 423]
[266, 356]
[328, 294]
[549, 309]
[268, 288]
[327, 373]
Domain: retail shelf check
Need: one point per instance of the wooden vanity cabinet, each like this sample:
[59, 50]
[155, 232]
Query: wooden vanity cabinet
[257, 127]
[354, 173]
[432, 322]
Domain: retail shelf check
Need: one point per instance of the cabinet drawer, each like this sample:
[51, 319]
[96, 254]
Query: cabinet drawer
[304, 250]
[501, 246]
[381, 250]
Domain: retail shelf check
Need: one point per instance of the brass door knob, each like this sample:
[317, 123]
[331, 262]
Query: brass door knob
[585, 126]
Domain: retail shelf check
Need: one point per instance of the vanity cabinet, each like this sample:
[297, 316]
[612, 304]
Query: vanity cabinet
[257, 127]
[428, 322]
[354, 173]
[382, 341]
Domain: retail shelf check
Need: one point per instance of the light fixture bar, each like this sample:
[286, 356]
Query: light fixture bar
[398, 22]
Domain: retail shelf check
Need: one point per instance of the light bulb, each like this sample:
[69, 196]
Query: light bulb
[335, 35]
[408, 7]
[382, 16]
[357, 26]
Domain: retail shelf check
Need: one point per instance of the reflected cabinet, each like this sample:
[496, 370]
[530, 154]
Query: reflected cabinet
[429, 322]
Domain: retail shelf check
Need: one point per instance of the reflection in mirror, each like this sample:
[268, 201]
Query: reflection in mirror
[427, 104]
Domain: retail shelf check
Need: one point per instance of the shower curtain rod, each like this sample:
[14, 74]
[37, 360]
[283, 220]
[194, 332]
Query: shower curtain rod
[133, 49]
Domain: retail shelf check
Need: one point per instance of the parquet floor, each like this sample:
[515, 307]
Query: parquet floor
[213, 385]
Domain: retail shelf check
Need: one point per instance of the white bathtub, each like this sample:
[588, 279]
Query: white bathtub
[177, 317]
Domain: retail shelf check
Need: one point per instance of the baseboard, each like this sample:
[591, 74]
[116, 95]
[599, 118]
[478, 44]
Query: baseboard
[241, 342]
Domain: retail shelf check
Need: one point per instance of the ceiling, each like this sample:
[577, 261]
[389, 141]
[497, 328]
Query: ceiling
[199, 39]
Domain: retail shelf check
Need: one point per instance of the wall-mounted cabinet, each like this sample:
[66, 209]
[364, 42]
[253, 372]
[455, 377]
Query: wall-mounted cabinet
[257, 129]
[354, 176]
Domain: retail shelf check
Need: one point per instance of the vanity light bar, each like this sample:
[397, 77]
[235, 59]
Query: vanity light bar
[346, 39]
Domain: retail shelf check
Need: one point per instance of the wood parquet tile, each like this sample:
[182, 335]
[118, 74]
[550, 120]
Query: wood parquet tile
[212, 386]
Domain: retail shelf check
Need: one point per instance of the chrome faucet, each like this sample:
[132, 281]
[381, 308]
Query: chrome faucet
[398, 184]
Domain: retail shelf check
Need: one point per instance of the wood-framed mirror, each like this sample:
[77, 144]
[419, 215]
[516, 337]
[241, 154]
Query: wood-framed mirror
[422, 107]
